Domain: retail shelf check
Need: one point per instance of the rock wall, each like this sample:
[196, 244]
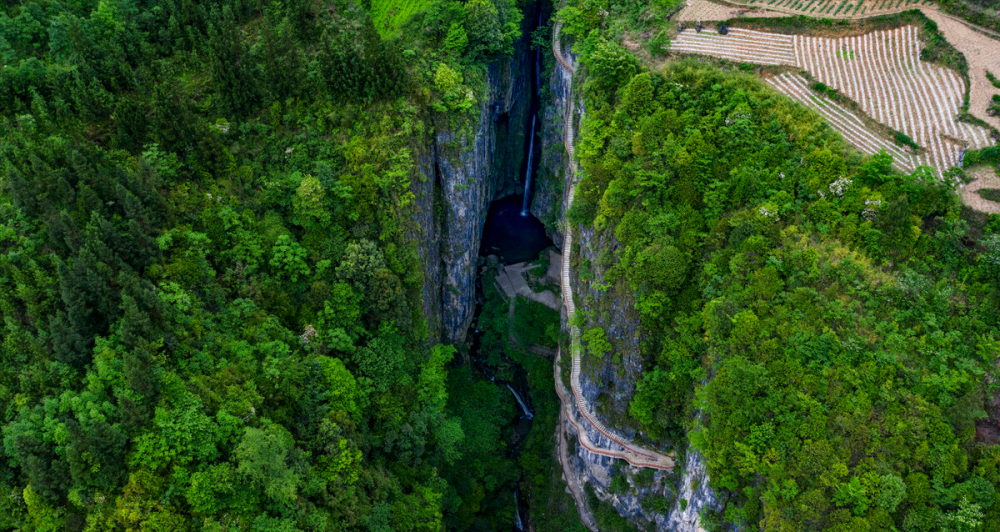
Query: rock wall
[550, 183]
[609, 383]
[696, 494]
[463, 171]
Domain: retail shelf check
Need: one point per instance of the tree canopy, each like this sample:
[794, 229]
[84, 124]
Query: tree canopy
[832, 319]
[209, 283]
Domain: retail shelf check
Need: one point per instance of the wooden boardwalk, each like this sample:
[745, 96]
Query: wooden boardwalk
[610, 444]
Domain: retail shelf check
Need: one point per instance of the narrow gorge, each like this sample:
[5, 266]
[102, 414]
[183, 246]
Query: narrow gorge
[496, 197]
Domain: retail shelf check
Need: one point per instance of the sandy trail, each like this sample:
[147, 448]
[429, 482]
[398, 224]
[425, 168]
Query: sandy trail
[985, 177]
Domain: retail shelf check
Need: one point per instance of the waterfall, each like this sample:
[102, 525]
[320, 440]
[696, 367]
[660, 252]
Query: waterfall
[517, 509]
[528, 414]
[534, 105]
[527, 175]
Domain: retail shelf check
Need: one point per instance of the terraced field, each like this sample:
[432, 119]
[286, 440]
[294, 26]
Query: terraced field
[881, 71]
[838, 8]
[703, 10]
[746, 46]
[845, 121]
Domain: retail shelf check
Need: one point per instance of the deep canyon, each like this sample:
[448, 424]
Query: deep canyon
[468, 205]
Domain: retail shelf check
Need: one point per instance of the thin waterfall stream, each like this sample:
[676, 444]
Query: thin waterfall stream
[526, 205]
[519, 524]
[511, 235]
[525, 409]
[531, 165]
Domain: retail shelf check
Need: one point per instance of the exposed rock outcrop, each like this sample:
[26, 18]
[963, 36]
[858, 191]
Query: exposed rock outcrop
[609, 383]
[695, 494]
[550, 185]
[465, 169]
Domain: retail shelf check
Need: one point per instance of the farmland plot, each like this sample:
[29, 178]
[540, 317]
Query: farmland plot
[881, 71]
[982, 53]
[841, 119]
[695, 10]
[747, 46]
[838, 8]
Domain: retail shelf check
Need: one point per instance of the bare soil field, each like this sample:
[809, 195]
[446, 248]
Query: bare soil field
[704, 10]
[881, 71]
[985, 178]
[748, 46]
[845, 121]
[980, 47]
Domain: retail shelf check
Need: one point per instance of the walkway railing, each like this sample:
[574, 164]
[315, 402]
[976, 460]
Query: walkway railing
[634, 455]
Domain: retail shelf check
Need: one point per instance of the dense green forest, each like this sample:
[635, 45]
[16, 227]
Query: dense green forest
[841, 315]
[209, 286]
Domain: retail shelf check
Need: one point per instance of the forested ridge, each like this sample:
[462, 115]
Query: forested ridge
[209, 282]
[831, 321]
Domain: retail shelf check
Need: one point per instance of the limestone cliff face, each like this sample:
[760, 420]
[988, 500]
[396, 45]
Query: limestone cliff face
[668, 501]
[614, 312]
[609, 383]
[550, 185]
[696, 494]
[597, 470]
[463, 171]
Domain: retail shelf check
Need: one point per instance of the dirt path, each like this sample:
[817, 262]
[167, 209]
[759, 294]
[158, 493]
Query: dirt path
[985, 177]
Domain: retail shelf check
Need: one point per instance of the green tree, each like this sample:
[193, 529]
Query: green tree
[263, 458]
[289, 258]
[457, 39]
[597, 342]
[310, 205]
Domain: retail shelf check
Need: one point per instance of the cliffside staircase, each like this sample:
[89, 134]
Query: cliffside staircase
[609, 444]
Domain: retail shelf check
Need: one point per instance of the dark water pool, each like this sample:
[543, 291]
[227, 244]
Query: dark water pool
[514, 238]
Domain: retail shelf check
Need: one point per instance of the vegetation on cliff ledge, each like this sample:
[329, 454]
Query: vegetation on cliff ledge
[832, 319]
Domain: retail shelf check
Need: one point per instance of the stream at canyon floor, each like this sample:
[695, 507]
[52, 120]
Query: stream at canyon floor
[510, 237]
